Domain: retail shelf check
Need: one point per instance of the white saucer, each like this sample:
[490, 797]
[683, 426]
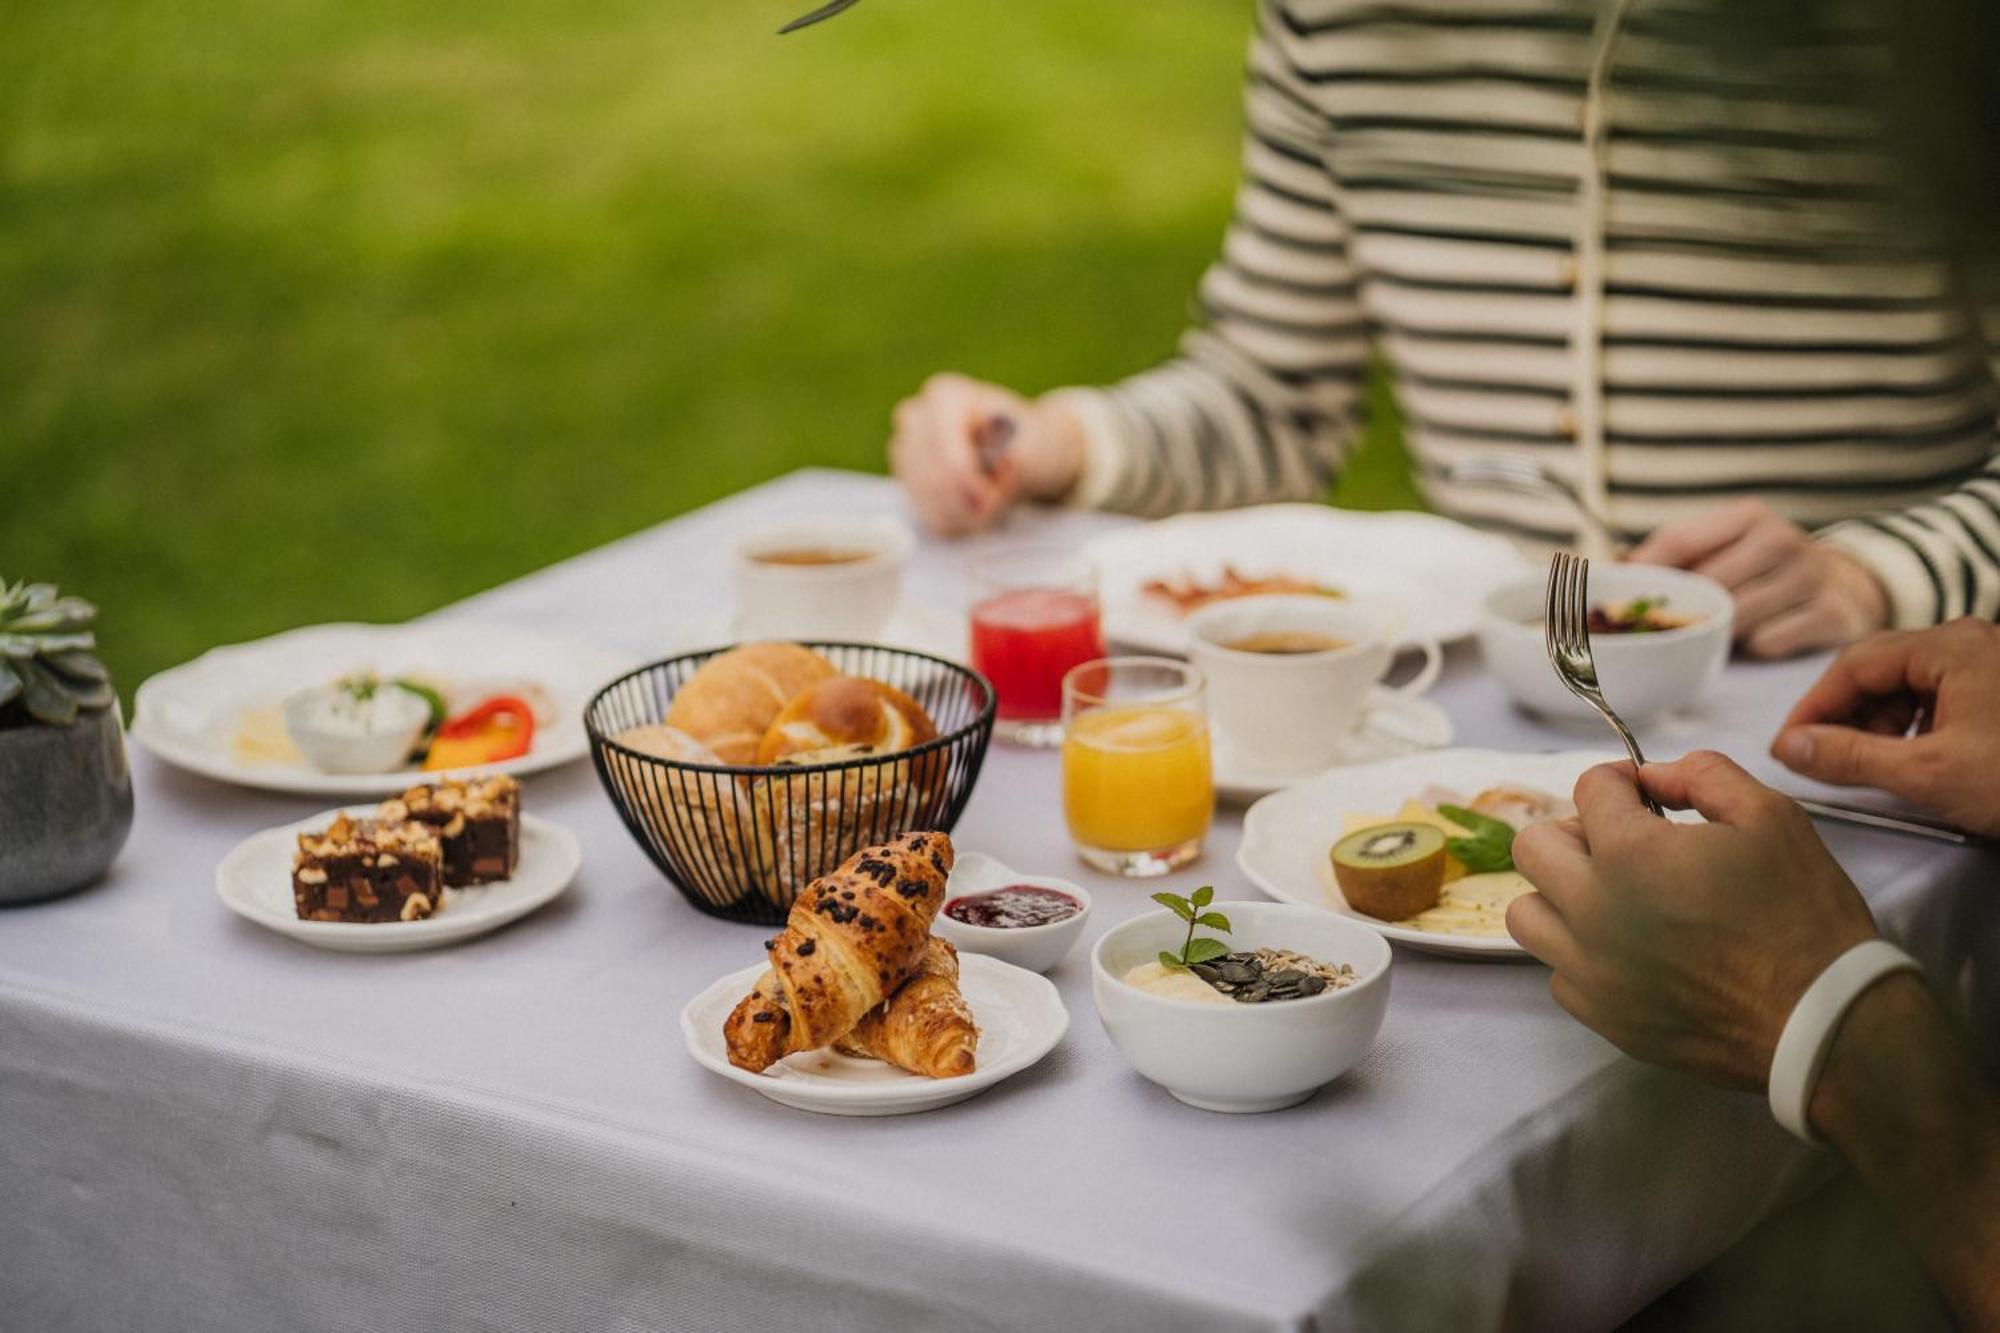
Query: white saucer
[255, 882]
[923, 629]
[1020, 1017]
[1393, 725]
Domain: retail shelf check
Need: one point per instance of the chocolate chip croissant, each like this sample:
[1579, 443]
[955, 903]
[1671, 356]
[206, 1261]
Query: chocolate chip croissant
[926, 1026]
[852, 939]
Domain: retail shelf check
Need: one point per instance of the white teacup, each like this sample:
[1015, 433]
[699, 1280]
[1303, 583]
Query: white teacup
[820, 578]
[1287, 714]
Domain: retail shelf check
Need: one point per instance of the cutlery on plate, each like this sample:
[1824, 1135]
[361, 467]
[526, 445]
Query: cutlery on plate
[825, 11]
[1917, 826]
[1566, 630]
[1530, 476]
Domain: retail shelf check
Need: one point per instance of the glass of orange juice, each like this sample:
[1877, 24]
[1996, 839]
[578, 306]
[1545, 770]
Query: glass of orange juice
[1138, 791]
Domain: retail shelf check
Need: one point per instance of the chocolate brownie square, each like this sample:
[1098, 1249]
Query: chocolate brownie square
[368, 870]
[478, 821]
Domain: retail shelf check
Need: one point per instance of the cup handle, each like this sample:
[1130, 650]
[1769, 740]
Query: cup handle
[1427, 675]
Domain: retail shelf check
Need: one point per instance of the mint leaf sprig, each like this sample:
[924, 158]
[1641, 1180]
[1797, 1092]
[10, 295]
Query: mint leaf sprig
[1489, 850]
[1190, 910]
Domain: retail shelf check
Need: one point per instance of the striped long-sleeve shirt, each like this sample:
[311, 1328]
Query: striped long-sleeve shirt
[1574, 234]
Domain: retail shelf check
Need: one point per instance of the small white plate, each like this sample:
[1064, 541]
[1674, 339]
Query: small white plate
[189, 715]
[1286, 836]
[255, 882]
[1020, 1017]
[1393, 725]
[1437, 571]
[914, 626]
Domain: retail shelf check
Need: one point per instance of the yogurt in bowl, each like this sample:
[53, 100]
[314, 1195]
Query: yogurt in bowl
[1240, 1055]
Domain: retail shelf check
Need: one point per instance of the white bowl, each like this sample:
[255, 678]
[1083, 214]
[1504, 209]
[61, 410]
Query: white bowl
[1037, 948]
[1642, 675]
[1244, 1057]
[852, 599]
[404, 717]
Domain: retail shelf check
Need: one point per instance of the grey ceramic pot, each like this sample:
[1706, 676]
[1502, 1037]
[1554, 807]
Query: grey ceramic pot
[65, 805]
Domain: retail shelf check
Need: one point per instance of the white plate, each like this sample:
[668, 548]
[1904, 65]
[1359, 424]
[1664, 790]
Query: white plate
[1020, 1017]
[255, 882]
[1286, 836]
[1393, 725]
[188, 715]
[914, 626]
[1438, 571]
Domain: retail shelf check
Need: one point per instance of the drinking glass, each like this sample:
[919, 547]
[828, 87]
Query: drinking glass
[1138, 787]
[1034, 616]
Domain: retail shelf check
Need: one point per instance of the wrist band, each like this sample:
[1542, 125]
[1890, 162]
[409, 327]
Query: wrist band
[1808, 1033]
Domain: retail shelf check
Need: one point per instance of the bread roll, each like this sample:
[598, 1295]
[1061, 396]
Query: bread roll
[850, 714]
[815, 819]
[731, 701]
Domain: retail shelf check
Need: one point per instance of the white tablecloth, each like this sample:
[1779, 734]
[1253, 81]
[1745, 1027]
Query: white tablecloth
[206, 1126]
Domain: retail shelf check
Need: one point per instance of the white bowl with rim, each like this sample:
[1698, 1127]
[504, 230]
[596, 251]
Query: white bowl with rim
[850, 596]
[1244, 1057]
[1642, 675]
[1036, 948]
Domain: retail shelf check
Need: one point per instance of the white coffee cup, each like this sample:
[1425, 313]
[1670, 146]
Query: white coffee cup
[851, 597]
[1287, 714]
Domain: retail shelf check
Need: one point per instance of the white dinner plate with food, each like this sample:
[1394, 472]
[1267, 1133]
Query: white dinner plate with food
[255, 882]
[1020, 1017]
[1288, 837]
[1439, 572]
[1393, 725]
[223, 715]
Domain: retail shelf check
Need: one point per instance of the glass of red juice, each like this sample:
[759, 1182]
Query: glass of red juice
[1034, 616]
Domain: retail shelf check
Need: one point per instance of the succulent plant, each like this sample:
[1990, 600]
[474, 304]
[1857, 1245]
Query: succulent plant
[49, 670]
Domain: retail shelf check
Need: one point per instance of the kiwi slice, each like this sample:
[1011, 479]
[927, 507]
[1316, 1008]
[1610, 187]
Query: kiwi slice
[1391, 871]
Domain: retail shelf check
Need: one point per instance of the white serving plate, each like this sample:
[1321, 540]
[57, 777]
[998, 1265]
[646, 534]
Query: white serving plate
[1286, 836]
[1020, 1017]
[255, 882]
[1436, 570]
[1393, 725]
[188, 715]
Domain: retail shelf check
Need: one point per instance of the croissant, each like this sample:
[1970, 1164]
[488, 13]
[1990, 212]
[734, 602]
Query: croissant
[852, 938]
[925, 1027]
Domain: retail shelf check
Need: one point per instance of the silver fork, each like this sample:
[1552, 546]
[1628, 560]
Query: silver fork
[1525, 475]
[1566, 628]
[825, 11]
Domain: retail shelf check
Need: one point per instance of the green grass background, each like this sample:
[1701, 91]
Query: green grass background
[316, 311]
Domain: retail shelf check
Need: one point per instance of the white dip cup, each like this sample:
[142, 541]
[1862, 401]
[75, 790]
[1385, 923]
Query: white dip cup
[848, 599]
[1288, 713]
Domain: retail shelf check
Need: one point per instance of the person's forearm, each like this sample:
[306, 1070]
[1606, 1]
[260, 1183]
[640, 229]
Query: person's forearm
[1900, 1099]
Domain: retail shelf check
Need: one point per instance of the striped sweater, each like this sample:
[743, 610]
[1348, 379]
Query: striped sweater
[1573, 235]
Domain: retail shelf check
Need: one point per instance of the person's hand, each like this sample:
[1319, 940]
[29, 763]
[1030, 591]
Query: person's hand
[957, 486]
[1915, 713]
[1686, 945]
[1792, 593]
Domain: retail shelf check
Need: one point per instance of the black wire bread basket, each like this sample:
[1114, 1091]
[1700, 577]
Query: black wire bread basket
[741, 842]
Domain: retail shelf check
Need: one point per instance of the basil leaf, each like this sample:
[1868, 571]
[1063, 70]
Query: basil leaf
[1213, 920]
[1170, 962]
[1483, 827]
[1176, 904]
[1483, 856]
[1203, 896]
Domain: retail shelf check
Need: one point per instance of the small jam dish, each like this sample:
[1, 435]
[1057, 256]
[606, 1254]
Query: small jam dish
[975, 879]
[1236, 1056]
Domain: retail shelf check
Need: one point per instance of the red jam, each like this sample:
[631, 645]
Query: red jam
[1013, 908]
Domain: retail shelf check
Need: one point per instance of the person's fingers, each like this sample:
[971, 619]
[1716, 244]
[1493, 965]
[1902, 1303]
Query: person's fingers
[1890, 716]
[1761, 549]
[1883, 664]
[1847, 757]
[1714, 785]
[1818, 624]
[1764, 599]
[1607, 801]
[1686, 543]
[1556, 861]
[1537, 927]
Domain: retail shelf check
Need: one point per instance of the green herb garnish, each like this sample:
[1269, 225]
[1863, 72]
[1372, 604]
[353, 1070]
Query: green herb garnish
[431, 698]
[1190, 910]
[1489, 850]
